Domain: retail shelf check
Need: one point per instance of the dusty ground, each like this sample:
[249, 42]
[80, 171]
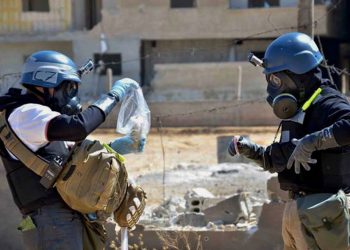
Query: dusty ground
[190, 160]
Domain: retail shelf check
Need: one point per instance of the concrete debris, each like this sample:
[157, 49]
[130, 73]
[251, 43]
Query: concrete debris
[233, 210]
[199, 192]
[200, 206]
[190, 219]
[169, 208]
[223, 237]
[199, 199]
[274, 192]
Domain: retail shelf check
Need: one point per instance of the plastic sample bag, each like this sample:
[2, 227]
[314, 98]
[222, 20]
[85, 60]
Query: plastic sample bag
[134, 114]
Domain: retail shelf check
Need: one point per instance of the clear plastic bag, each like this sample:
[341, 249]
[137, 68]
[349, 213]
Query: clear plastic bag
[134, 114]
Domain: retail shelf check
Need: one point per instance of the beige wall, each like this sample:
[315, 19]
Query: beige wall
[206, 82]
[13, 20]
[155, 20]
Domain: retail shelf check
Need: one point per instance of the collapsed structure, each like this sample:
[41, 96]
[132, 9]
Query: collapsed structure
[201, 220]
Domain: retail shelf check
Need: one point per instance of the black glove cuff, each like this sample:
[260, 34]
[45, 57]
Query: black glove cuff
[106, 103]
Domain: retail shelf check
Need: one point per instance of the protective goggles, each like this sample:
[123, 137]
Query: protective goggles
[274, 81]
[69, 89]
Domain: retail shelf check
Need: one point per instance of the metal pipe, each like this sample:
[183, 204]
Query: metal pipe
[124, 238]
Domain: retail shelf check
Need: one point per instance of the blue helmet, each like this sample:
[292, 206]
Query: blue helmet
[294, 51]
[49, 69]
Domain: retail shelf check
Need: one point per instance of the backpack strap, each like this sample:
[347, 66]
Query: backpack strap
[12, 143]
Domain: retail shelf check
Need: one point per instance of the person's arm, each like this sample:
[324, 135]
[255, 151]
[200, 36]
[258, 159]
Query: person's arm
[78, 127]
[335, 135]
[75, 127]
[273, 158]
[341, 127]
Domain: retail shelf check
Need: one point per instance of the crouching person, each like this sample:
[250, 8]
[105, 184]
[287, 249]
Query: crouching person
[65, 185]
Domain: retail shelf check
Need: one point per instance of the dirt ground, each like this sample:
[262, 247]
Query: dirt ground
[190, 160]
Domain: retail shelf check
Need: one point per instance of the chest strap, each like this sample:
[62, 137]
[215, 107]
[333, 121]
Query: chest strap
[12, 143]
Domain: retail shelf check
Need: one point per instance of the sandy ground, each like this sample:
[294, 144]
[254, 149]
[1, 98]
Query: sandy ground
[190, 160]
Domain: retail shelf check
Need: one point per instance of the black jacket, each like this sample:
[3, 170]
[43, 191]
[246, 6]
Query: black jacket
[26, 190]
[332, 170]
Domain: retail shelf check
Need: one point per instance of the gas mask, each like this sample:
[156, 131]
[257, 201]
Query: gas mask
[283, 94]
[65, 100]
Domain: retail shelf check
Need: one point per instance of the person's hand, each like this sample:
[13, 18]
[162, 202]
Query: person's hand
[131, 208]
[128, 144]
[244, 146]
[122, 87]
[301, 155]
[305, 146]
[233, 147]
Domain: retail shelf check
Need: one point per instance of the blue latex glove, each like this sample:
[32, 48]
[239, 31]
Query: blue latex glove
[128, 144]
[121, 87]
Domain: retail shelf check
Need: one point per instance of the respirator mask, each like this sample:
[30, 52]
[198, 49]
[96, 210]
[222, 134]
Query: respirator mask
[283, 91]
[283, 94]
[65, 99]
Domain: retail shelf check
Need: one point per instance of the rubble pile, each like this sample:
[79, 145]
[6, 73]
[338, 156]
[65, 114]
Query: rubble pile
[200, 208]
[202, 220]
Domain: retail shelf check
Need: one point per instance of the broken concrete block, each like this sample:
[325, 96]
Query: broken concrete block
[191, 219]
[271, 216]
[268, 235]
[230, 211]
[169, 208]
[274, 192]
[198, 199]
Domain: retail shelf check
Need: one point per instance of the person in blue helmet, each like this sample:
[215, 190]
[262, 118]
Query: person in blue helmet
[48, 119]
[313, 154]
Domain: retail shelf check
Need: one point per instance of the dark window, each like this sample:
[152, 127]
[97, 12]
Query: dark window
[35, 5]
[263, 3]
[112, 61]
[154, 44]
[93, 12]
[182, 3]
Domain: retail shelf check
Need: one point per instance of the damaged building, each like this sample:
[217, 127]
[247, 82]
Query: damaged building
[187, 55]
[184, 59]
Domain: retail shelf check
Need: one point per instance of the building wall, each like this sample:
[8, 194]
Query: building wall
[193, 82]
[14, 21]
[86, 46]
[197, 51]
[153, 20]
[164, 47]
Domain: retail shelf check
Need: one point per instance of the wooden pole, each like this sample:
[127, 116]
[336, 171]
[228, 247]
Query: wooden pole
[306, 17]
[109, 73]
